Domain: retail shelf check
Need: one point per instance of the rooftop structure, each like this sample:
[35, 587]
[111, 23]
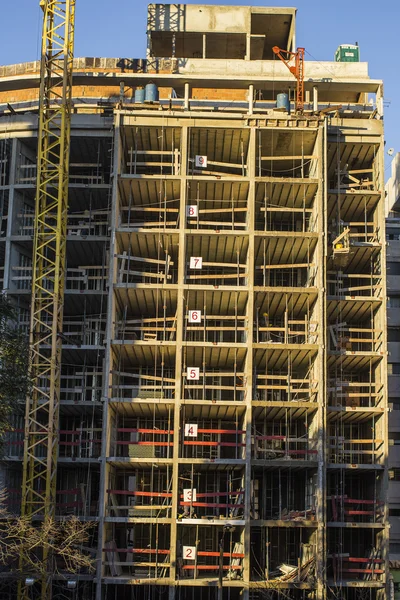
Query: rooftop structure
[224, 387]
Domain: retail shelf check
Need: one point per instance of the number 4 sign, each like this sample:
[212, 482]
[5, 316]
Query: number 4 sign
[191, 429]
[193, 373]
[196, 262]
[189, 552]
[194, 316]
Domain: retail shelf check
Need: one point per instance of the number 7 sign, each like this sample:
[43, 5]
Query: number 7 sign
[196, 262]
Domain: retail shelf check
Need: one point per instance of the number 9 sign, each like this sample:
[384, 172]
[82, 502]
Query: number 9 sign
[189, 552]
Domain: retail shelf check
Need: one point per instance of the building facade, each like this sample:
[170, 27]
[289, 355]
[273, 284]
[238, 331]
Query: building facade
[393, 322]
[223, 398]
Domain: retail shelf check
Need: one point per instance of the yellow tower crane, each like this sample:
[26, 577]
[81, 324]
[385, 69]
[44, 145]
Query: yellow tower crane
[48, 276]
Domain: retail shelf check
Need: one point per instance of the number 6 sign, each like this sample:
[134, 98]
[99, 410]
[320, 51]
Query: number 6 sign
[194, 316]
[193, 373]
[189, 552]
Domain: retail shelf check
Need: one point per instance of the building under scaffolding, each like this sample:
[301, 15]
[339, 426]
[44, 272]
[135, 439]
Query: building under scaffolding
[223, 398]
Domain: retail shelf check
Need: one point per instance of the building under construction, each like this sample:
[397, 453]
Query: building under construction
[223, 403]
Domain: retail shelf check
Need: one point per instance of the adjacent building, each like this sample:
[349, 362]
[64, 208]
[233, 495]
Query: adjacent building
[393, 321]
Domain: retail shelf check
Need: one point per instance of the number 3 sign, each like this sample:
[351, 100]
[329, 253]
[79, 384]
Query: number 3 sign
[189, 552]
[189, 495]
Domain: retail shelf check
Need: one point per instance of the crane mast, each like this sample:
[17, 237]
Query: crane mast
[48, 272]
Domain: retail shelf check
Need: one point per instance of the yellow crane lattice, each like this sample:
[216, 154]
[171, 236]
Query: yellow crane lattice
[48, 273]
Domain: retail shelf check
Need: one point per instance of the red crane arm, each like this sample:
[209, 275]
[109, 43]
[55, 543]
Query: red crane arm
[297, 70]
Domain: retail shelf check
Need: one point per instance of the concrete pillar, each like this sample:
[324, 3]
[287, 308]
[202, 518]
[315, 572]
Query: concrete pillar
[251, 98]
[187, 95]
[315, 98]
[178, 359]
[105, 445]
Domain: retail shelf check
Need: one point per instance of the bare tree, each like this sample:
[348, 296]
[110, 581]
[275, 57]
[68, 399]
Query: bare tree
[65, 540]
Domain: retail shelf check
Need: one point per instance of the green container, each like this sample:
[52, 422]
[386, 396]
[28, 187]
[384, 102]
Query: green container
[347, 53]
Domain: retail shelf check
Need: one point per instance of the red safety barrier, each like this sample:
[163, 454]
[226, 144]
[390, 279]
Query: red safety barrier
[147, 494]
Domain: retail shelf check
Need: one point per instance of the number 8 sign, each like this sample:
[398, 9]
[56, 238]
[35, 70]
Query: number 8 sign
[189, 552]
[191, 210]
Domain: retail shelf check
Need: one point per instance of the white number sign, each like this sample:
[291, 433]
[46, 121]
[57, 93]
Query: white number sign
[194, 316]
[189, 495]
[191, 429]
[191, 210]
[193, 373]
[189, 552]
[201, 161]
[196, 262]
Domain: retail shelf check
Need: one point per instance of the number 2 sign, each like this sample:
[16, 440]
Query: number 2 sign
[189, 552]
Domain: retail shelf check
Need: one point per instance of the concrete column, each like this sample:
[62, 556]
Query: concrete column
[178, 360]
[105, 445]
[315, 98]
[249, 361]
[251, 98]
[187, 95]
[379, 101]
[321, 257]
[248, 46]
[10, 216]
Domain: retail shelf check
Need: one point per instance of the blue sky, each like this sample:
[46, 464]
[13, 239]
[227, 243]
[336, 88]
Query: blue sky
[117, 28]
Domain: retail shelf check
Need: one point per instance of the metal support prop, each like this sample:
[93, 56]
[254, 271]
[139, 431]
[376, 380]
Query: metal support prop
[48, 277]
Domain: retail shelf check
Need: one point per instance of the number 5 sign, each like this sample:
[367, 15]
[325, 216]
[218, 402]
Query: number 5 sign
[193, 373]
[194, 316]
[189, 552]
